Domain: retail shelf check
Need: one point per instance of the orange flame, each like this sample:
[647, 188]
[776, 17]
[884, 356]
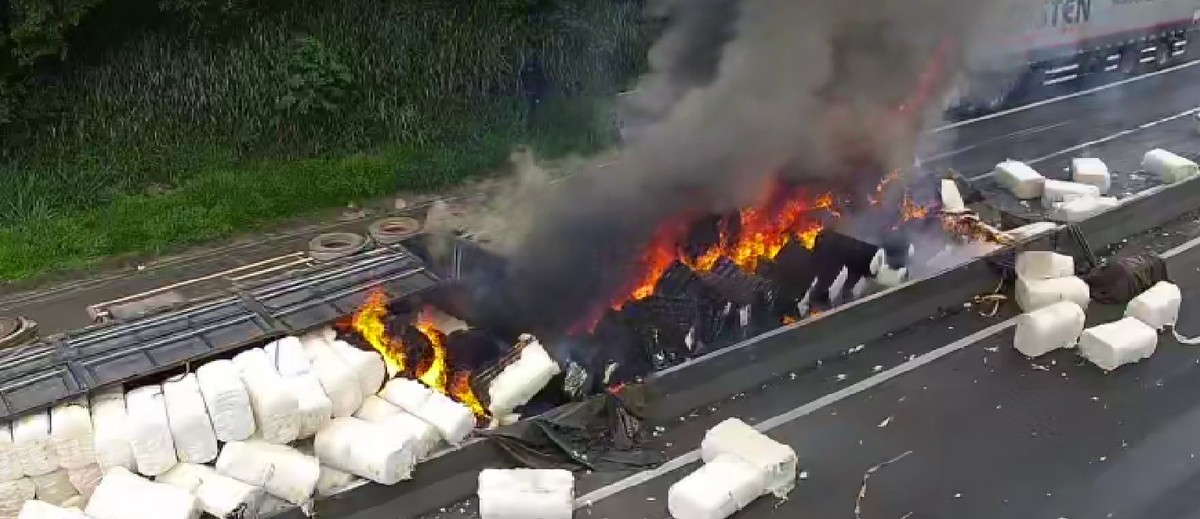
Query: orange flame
[369, 322]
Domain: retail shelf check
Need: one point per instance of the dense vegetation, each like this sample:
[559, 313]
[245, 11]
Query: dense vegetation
[138, 125]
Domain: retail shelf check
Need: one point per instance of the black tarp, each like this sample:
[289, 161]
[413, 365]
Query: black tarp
[605, 432]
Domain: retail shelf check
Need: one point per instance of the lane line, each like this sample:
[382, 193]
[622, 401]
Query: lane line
[978, 144]
[1053, 100]
[1102, 140]
[693, 456]
[815, 405]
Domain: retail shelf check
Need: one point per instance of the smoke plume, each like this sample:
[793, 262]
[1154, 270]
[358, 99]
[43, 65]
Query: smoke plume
[822, 92]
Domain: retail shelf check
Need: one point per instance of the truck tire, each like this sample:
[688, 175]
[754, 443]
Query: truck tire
[16, 331]
[387, 231]
[336, 245]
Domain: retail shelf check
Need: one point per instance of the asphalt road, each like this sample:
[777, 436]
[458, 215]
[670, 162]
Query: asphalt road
[981, 432]
[1062, 126]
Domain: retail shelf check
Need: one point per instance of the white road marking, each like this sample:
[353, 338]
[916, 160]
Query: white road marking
[815, 405]
[1053, 100]
[693, 456]
[978, 144]
[1102, 140]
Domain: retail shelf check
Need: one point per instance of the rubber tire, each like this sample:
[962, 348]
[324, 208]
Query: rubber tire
[335, 245]
[16, 331]
[387, 231]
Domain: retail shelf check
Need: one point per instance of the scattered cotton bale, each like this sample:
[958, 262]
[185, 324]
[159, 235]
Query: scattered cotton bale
[191, 427]
[1093, 172]
[35, 449]
[1025, 232]
[85, 479]
[13, 494]
[1048, 328]
[366, 449]
[276, 407]
[522, 377]
[1118, 343]
[219, 495]
[227, 400]
[453, 420]
[1020, 179]
[368, 365]
[526, 494]
[1055, 192]
[72, 436]
[375, 409]
[1168, 167]
[283, 471]
[54, 488]
[952, 200]
[1038, 264]
[720, 488]
[150, 431]
[1032, 294]
[10, 459]
[35, 509]
[1079, 209]
[292, 362]
[110, 426]
[776, 461]
[425, 436]
[340, 383]
[1158, 306]
[124, 495]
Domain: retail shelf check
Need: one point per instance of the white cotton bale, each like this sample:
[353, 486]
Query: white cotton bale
[110, 428]
[1027, 231]
[369, 366]
[1093, 172]
[10, 459]
[1056, 192]
[219, 495]
[150, 430]
[526, 494]
[85, 479]
[454, 421]
[341, 383]
[522, 378]
[1079, 209]
[191, 427]
[75, 504]
[1032, 294]
[1020, 179]
[54, 488]
[1041, 264]
[1110, 346]
[376, 409]
[776, 461]
[276, 408]
[272, 506]
[283, 471]
[716, 490]
[1158, 306]
[72, 436]
[406, 393]
[1168, 167]
[288, 357]
[35, 449]
[952, 200]
[334, 481]
[424, 435]
[316, 409]
[1048, 328]
[227, 400]
[37, 509]
[365, 449]
[13, 494]
[125, 495]
[886, 276]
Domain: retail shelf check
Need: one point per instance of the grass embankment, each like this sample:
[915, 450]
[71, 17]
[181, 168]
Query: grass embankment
[399, 96]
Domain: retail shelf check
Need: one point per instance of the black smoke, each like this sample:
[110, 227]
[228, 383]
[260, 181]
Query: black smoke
[740, 93]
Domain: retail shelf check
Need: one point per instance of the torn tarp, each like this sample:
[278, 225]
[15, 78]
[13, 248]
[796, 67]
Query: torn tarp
[603, 433]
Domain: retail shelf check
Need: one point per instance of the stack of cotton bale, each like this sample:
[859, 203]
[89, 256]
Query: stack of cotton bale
[526, 494]
[1135, 336]
[1083, 196]
[1045, 278]
[740, 465]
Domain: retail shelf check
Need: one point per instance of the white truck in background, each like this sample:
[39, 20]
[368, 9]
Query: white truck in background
[1032, 47]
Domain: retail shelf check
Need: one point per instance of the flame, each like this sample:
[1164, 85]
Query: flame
[787, 319]
[369, 322]
[911, 210]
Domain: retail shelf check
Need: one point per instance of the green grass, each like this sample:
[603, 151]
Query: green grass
[434, 102]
